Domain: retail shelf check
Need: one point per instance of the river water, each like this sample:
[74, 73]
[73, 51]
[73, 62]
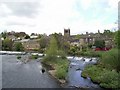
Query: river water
[77, 64]
[16, 74]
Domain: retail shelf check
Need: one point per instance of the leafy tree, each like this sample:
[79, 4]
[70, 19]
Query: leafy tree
[18, 46]
[99, 43]
[108, 33]
[43, 42]
[51, 53]
[117, 39]
[77, 36]
[7, 44]
[52, 49]
[4, 34]
[59, 39]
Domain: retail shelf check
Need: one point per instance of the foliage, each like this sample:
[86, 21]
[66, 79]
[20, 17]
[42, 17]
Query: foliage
[18, 57]
[62, 54]
[59, 40]
[7, 44]
[60, 64]
[43, 44]
[62, 68]
[106, 78]
[77, 36]
[27, 37]
[4, 34]
[107, 71]
[108, 33]
[99, 43]
[117, 39]
[74, 50]
[18, 46]
[111, 59]
[51, 53]
[91, 53]
[34, 57]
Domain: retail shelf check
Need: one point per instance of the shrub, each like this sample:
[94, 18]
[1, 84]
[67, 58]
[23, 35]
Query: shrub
[111, 60]
[34, 57]
[62, 54]
[61, 68]
[18, 57]
[106, 78]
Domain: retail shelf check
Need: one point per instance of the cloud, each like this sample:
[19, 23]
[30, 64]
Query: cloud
[26, 9]
[49, 16]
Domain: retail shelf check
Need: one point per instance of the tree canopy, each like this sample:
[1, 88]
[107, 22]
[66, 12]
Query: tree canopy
[99, 43]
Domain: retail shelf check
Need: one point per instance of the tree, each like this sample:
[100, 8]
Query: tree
[27, 37]
[51, 53]
[4, 34]
[43, 44]
[52, 49]
[7, 44]
[59, 40]
[99, 43]
[18, 46]
[117, 39]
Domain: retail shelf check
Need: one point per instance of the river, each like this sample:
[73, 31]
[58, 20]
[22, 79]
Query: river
[16, 74]
[77, 64]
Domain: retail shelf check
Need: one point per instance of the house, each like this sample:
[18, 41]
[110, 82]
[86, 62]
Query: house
[30, 45]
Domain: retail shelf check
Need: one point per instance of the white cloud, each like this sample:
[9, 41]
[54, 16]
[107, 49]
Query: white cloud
[55, 15]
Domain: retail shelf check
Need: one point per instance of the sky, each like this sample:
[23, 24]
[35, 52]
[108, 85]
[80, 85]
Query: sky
[50, 16]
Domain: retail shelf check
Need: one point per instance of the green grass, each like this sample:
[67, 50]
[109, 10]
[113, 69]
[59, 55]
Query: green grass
[111, 59]
[107, 71]
[106, 78]
[59, 64]
[91, 53]
[61, 68]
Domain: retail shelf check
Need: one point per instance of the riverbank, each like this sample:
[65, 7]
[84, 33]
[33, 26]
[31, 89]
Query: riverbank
[106, 73]
[58, 69]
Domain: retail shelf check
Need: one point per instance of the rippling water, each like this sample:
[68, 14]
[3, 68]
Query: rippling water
[77, 64]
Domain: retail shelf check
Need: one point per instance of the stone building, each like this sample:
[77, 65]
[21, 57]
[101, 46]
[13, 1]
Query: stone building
[30, 45]
[67, 32]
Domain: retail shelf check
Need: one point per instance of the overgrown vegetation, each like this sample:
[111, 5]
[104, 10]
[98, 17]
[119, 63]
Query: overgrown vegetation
[18, 57]
[18, 46]
[107, 72]
[105, 77]
[34, 57]
[57, 59]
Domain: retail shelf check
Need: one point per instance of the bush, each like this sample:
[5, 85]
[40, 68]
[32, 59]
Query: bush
[62, 54]
[111, 59]
[106, 78]
[18, 57]
[91, 53]
[61, 69]
[34, 57]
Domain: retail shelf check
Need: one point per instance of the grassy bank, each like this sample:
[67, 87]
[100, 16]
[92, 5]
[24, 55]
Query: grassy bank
[106, 72]
[91, 53]
[59, 65]
[106, 78]
[88, 53]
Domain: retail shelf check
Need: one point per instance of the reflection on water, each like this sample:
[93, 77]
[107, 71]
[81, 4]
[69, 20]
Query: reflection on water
[17, 74]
